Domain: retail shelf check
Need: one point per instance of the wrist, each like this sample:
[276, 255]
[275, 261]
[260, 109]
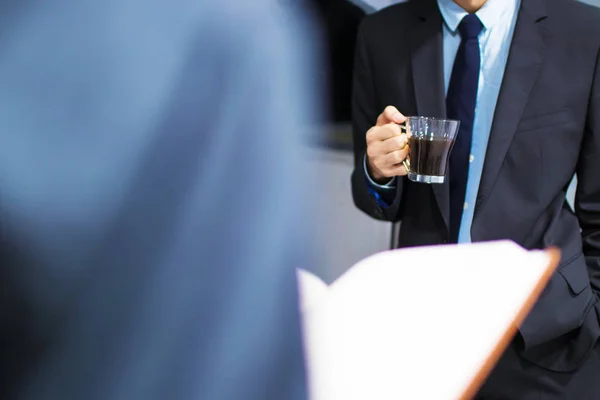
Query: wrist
[377, 177]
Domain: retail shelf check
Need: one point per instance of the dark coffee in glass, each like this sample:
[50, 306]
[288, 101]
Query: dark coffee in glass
[429, 156]
[430, 141]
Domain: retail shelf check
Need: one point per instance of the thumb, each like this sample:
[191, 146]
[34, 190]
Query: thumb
[389, 115]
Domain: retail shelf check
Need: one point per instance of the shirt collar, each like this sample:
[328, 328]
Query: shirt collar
[489, 14]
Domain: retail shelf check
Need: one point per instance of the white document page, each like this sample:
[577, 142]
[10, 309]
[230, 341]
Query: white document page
[417, 323]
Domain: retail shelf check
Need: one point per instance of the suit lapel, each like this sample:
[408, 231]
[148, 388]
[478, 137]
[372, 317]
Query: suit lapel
[428, 77]
[523, 65]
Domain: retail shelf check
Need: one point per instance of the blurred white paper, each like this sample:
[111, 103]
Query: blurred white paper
[401, 320]
[313, 291]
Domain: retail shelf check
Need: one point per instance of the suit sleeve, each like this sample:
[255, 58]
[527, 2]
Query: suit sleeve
[379, 203]
[587, 198]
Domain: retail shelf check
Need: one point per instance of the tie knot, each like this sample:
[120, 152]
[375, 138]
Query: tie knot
[470, 27]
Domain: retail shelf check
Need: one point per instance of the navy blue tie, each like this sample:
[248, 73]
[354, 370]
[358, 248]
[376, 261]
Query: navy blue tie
[460, 104]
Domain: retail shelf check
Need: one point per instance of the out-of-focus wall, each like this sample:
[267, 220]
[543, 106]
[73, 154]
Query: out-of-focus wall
[348, 234]
[592, 2]
[372, 5]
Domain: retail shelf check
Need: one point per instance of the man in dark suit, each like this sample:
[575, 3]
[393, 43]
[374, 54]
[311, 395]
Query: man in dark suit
[523, 77]
[147, 248]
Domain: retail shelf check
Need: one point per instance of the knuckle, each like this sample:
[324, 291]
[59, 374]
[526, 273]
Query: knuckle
[370, 136]
[370, 153]
[373, 151]
[389, 110]
[399, 156]
[383, 132]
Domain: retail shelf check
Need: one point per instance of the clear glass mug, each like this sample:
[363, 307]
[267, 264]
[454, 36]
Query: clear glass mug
[430, 142]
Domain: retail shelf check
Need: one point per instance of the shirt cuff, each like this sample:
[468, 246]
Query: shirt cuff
[383, 194]
[391, 184]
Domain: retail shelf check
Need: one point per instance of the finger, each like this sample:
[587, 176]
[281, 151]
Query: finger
[395, 157]
[395, 170]
[390, 115]
[381, 133]
[398, 170]
[392, 144]
[378, 148]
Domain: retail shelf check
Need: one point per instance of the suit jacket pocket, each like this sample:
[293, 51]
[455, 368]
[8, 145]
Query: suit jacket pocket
[563, 326]
[545, 120]
[575, 273]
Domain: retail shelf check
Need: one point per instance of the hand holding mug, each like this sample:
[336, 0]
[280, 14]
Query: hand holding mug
[387, 146]
[419, 147]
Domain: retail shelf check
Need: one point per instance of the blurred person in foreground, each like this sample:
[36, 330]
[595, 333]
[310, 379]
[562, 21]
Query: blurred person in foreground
[149, 231]
[523, 79]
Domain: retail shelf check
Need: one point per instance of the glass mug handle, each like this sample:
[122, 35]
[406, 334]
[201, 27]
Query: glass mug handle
[406, 161]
